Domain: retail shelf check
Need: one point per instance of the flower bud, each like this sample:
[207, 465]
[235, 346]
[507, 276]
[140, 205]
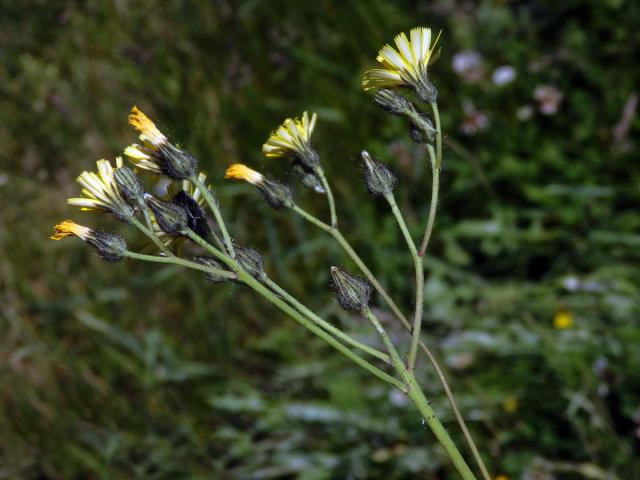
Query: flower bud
[251, 261]
[110, 246]
[176, 163]
[172, 219]
[393, 102]
[421, 128]
[352, 292]
[427, 91]
[378, 178]
[196, 216]
[211, 276]
[129, 185]
[308, 178]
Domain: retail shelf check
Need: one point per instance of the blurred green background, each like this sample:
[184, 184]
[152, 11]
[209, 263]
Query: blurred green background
[138, 371]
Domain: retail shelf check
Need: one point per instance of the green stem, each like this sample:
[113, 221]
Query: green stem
[337, 235]
[435, 190]
[182, 262]
[436, 117]
[323, 323]
[327, 189]
[150, 233]
[247, 279]
[213, 205]
[419, 270]
[415, 393]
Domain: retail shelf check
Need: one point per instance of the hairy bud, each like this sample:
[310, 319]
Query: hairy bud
[378, 178]
[176, 163]
[129, 185]
[251, 261]
[421, 128]
[110, 246]
[393, 102]
[212, 262]
[308, 178]
[172, 219]
[427, 91]
[352, 292]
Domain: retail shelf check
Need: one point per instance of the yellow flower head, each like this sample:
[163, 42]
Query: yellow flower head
[148, 131]
[562, 320]
[142, 157]
[293, 137]
[502, 477]
[100, 191]
[239, 171]
[67, 228]
[406, 66]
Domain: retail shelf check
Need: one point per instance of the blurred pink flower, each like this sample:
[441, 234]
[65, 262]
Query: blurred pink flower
[474, 120]
[548, 98]
[468, 64]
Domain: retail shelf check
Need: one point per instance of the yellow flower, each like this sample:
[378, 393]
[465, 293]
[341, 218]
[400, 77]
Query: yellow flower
[68, 228]
[502, 477]
[148, 131]
[562, 320]
[100, 191]
[142, 157]
[406, 66]
[293, 137]
[239, 171]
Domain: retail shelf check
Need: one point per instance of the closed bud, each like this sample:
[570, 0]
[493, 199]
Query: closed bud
[129, 185]
[176, 163]
[308, 178]
[378, 178]
[352, 292]
[110, 246]
[427, 91]
[276, 194]
[196, 216]
[421, 128]
[213, 263]
[172, 219]
[250, 260]
[393, 102]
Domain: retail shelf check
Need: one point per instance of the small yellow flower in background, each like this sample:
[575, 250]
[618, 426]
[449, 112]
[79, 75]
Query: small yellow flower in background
[562, 320]
[406, 66]
[68, 228]
[100, 191]
[149, 133]
[510, 404]
[238, 171]
[293, 137]
[502, 477]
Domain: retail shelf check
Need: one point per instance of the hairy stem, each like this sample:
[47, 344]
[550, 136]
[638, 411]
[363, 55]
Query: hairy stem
[251, 282]
[419, 270]
[148, 231]
[213, 205]
[323, 323]
[327, 189]
[435, 189]
[181, 262]
[415, 393]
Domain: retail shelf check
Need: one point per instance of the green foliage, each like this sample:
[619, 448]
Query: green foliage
[140, 371]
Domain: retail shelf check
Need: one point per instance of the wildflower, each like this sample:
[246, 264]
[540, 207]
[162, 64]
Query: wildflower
[474, 120]
[378, 178]
[293, 138]
[100, 192]
[562, 320]
[406, 66]
[352, 292]
[503, 75]
[548, 98]
[157, 154]
[276, 194]
[502, 477]
[468, 65]
[110, 246]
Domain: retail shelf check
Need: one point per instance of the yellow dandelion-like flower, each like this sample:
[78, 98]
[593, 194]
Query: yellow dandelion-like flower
[293, 137]
[100, 191]
[142, 157]
[562, 320]
[406, 65]
[68, 228]
[238, 171]
[149, 133]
